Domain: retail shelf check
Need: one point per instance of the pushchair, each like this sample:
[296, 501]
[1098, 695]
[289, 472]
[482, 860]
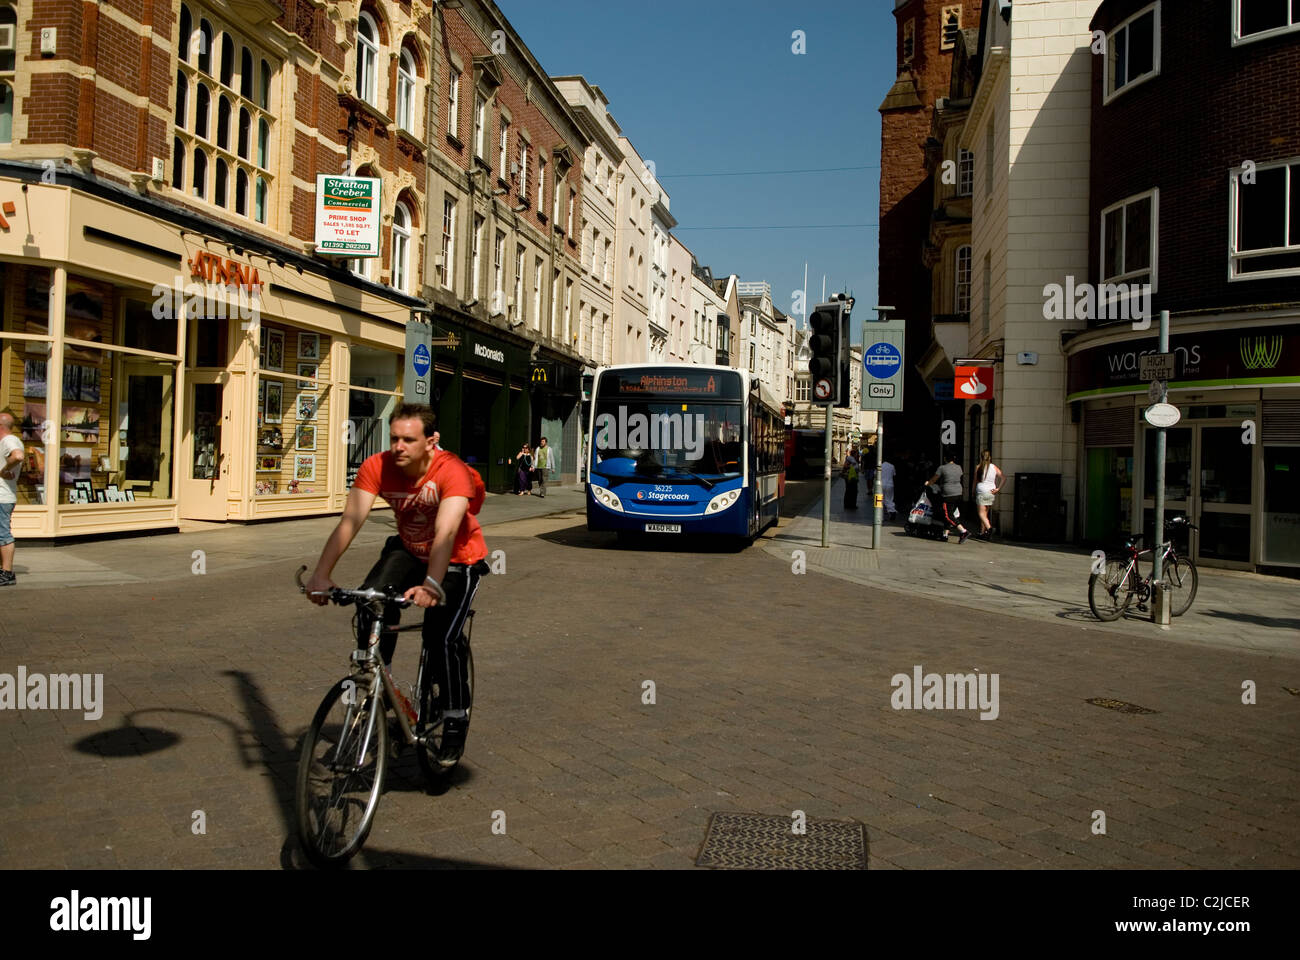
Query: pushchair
[923, 519]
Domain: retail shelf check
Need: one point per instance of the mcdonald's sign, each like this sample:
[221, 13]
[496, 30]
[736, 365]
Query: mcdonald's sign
[543, 373]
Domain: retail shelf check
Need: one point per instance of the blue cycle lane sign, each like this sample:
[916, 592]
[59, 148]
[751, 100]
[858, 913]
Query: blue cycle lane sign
[421, 360]
[882, 365]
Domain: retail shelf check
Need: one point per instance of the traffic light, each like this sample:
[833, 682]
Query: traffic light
[827, 342]
[846, 356]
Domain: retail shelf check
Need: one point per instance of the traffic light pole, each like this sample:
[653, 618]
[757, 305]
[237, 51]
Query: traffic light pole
[826, 481]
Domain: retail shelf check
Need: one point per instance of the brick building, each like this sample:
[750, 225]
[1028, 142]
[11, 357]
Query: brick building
[927, 32]
[1205, 220]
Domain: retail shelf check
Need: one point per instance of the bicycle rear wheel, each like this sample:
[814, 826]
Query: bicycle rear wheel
[1110, 592]
[341, 774]
[1182, 580]
[439, 754]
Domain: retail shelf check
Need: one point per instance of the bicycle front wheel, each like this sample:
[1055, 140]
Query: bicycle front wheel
[341, 773]
[1181, 577]
[1110, 592]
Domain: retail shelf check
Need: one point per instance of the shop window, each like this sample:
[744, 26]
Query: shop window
[293, 397]
[374, 394]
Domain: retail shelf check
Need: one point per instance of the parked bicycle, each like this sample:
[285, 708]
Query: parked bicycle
[1112, 591]
[346, 750]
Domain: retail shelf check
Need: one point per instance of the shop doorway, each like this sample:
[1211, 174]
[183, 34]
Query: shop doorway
[205, 465]
[1208, 471]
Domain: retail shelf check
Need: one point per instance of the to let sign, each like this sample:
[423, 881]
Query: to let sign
[1157, 366]
[347, 216]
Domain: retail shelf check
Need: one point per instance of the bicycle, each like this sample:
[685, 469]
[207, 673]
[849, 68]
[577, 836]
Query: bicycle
[346, 748]
[1111, 591]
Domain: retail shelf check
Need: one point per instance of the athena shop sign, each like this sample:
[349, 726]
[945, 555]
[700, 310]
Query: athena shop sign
[347, 216]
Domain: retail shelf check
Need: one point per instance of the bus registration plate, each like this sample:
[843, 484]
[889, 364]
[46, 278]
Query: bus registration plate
[663, 528]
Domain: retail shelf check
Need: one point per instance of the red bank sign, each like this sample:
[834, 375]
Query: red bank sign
[973, 383]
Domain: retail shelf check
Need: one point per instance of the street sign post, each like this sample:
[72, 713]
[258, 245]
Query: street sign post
[419, 361]
[1157, 366]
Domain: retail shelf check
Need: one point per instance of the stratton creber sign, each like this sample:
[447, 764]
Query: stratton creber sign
[1213, 358]
[347, 215]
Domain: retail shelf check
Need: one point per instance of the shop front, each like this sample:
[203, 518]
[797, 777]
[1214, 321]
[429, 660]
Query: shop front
[557, 412]
[162, 372]
[483, 404]
[1231, 460]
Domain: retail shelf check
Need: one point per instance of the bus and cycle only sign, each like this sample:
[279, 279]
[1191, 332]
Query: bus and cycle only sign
[882, 365]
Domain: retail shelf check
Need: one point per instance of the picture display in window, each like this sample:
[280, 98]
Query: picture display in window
[1266, 222]
[1133, 50]
[1257, 19]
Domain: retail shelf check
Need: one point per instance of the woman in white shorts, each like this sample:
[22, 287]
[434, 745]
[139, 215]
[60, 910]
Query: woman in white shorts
[989, 481]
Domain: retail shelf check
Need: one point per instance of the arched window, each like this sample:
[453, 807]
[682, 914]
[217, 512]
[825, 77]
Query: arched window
[223, 122]
[406, 91]
[182, 97]
[241, 193]
[367, 58]
[202, 99]
[200, 173]
[264, 90]
[227, 60]
[245, 127]
[401, 247]
[183, 42]
[205, 47]
[961, 279]
[263, 142]
[246, 74]
[219, 187]
[178, 163]
[260, 200]
[6, 113]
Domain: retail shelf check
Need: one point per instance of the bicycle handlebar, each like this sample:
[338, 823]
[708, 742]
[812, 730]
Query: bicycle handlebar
[344, 597]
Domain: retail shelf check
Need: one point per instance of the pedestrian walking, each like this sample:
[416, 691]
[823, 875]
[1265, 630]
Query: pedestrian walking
[543, 464]
[849, 471]
[887, 488]
[524, 471]
[989, 480]
[12, 454]
[948, 477]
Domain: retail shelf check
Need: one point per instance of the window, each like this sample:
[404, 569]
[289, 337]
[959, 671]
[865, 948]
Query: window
[1266, 222]
[406, 91]
[448, 241]
[480, 126]
[401, 248]
[965, 173]
[205, 47]
[1129, 234]
[1133, 51]
[569, 224]
[519, 283]
[1258, 19]
[962, 274]
[568, 309]
[238, 166]
[503, 149]
[909, 40]
[541, 184]
[367, 58]
[498, 274]
[184, 37]
[751, 358]
[476, 253]
[453, 104]
[950, 17]
[989, 150]
[986, 318]
[537, 293]
[523, 167]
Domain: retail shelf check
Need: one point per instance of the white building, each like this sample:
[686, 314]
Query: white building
[637, 192]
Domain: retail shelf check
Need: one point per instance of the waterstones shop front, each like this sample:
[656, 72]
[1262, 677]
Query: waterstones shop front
[1233, 459]
[150, 392]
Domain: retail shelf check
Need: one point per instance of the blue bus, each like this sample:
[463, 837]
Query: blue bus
[679, 449]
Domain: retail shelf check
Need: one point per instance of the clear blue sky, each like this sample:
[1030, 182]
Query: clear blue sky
[713, 86]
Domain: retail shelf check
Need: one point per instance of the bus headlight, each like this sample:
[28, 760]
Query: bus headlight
[606, 498]
[722, 501]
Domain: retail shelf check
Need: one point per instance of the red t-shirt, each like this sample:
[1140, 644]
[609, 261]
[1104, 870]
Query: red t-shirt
[415, 502]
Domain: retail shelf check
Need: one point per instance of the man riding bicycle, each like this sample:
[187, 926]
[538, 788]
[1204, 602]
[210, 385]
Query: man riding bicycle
[437, 557]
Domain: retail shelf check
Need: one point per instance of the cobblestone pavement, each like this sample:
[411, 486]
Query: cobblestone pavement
[773, 694]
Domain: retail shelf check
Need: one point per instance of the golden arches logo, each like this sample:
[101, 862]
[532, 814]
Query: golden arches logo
[1261, 353]
[539, 375]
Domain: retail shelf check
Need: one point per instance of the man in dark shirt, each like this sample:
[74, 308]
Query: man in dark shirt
[948, 477]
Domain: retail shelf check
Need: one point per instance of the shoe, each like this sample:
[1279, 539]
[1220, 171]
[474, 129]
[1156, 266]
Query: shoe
[7, 578]
[964, 537]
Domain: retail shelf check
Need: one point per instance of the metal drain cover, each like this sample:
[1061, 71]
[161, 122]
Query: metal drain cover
[1119, 705]
[753, 841]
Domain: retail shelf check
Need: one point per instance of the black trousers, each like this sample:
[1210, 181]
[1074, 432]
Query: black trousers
[446, 653]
